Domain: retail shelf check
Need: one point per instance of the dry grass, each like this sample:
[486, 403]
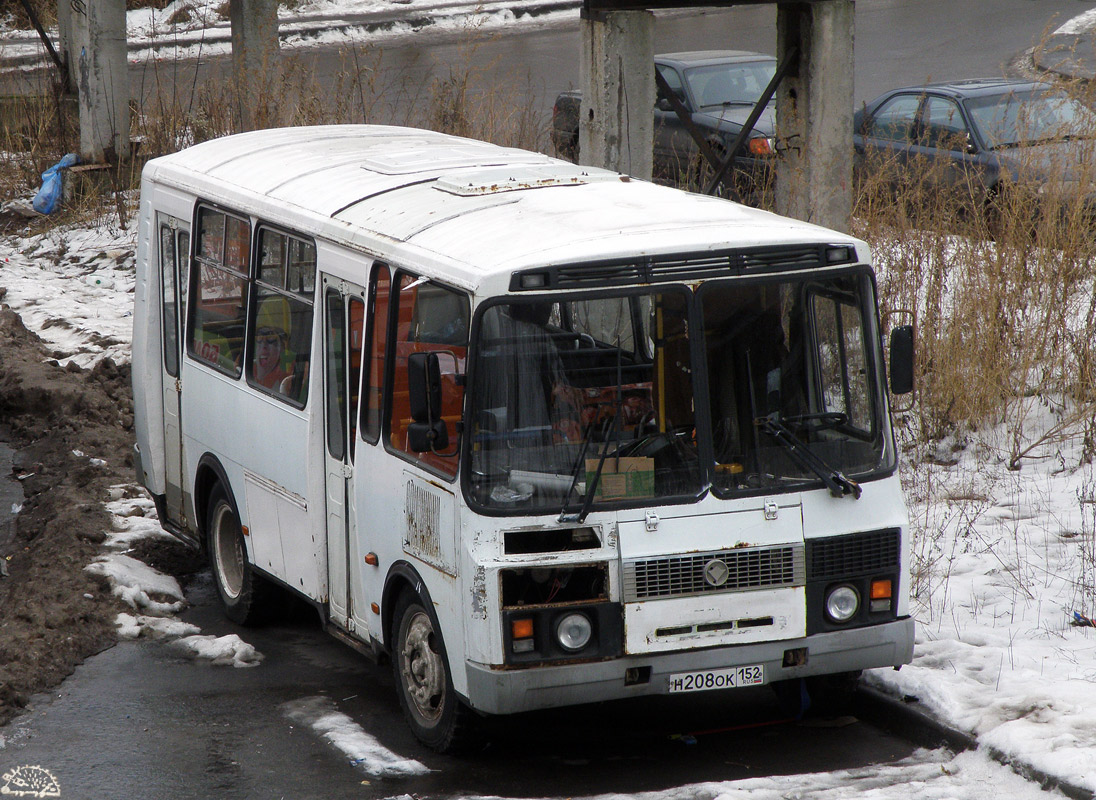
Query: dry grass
[1000, 284]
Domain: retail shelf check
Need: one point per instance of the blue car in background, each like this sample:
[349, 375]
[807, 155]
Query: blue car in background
[978, 140]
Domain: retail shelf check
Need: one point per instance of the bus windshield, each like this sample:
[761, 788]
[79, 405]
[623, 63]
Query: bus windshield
[579, 404]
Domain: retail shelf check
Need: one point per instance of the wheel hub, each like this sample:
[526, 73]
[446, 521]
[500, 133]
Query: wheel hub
[422, 668]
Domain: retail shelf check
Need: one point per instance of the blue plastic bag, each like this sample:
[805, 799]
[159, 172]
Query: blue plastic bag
[45, 202]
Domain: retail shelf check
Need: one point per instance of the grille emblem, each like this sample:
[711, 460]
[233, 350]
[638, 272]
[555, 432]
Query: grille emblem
[716, 572]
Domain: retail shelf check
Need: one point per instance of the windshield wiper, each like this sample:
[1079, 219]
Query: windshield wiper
[835, 481]
[576, 471]
[591, 486]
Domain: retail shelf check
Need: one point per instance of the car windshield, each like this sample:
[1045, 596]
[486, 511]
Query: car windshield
[1017, 118]
[738, 83]
[576, 404]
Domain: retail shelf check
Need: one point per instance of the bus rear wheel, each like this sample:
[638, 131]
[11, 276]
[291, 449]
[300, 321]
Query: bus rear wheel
[243, 593]
[432, 709]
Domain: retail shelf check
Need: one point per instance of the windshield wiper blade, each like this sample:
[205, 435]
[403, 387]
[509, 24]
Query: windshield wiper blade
[835, 481]
[576, 470]
[591, 486]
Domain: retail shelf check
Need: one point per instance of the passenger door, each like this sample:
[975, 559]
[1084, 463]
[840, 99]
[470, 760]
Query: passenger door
[344, 316]
[945, 142]
[173, 244]
[883, 149]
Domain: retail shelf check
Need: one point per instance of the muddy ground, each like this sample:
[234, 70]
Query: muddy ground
[53, 614]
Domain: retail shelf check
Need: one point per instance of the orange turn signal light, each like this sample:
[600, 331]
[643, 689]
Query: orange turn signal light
[880, 589]
[371, 559]
[521, 628]
[761, 146]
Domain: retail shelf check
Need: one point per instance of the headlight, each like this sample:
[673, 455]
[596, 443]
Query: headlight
[842, 603]
[573, 632]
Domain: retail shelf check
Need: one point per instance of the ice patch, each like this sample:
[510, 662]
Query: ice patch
[131, 627]
[139, 585]
[360, 747]
[220, 650]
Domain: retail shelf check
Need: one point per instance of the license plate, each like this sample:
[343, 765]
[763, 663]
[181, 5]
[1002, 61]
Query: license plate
[705, 679]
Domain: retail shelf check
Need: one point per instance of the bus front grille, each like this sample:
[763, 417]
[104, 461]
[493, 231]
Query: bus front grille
[738, 570]
[853, 554]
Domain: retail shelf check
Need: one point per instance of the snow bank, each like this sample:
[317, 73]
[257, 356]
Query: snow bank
[362, 749]
[131, 627]
[220, 650]
[139, 585]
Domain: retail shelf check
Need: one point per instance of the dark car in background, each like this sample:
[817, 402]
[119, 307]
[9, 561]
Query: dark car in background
[978, 140]
[719, 89]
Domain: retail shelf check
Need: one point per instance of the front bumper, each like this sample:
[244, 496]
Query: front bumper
[509, 691]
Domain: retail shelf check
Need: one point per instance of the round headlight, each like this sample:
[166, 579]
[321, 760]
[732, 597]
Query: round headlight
[573, 632]
[842, 603]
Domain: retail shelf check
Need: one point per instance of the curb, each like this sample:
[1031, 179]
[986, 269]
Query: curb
[1059, 56]
[907, 719]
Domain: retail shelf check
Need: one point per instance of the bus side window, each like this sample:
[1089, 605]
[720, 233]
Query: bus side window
[280, 340]
[170, 300]
[216, 334]
[373, 379]
[431, 318]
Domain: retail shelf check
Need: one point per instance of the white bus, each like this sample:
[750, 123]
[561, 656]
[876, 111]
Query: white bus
[540, 433]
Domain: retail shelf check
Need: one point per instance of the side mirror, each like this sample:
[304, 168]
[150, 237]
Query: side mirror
[427, 431]
[901, 360]
[663, 104]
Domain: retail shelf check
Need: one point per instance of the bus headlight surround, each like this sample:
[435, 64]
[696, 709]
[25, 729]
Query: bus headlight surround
[842, 603]
[574, 632]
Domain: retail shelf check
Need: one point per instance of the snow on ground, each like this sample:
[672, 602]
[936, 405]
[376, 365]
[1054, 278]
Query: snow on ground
[131, 627]
[1002, 559]
[220, 650]
[74, 287]
[1008, 557]
[362, 749]
[1082, 23]
[926, 775]
[138, 585]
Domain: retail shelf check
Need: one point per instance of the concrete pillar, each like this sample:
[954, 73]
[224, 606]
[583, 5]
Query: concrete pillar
[616, 125]
[98, 32]
[814, 107]
[254, 60]
[65, 43]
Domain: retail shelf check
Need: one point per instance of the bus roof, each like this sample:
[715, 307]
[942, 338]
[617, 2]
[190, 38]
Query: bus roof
[478, 208]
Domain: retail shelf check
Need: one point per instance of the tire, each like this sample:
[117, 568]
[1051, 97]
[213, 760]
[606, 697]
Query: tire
[820, 696]
[832, 695]
[244, 594]
[437, 717]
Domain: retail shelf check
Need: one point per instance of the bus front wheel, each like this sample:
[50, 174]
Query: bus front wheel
[435, 714]
[242, 591]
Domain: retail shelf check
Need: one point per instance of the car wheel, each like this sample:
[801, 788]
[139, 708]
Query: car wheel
[432, 709]
[244, 594]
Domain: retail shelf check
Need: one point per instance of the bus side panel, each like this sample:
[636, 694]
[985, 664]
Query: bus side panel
[148, 396]
[263, 445]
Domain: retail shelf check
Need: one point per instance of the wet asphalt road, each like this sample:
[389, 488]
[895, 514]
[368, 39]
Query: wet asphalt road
[142, 720]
